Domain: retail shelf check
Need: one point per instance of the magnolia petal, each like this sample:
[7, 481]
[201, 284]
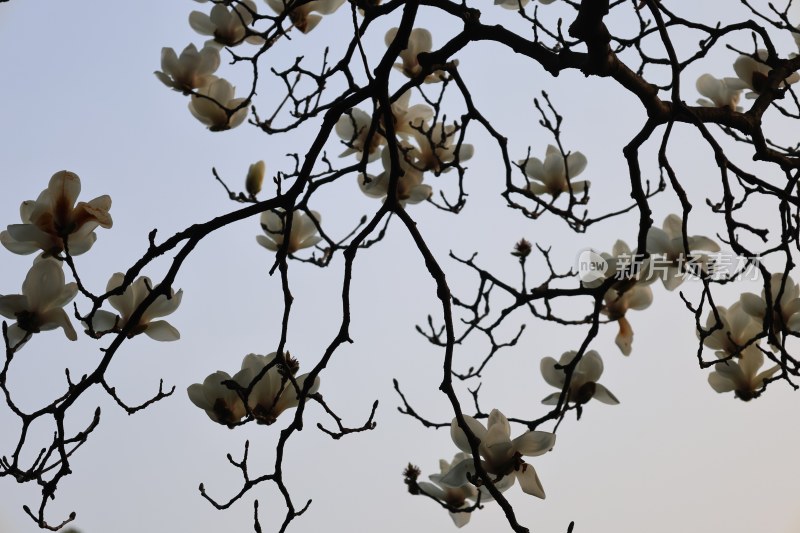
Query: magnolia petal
[576, 163]
[533, 443]
[432, 490]
[603, 395]
[624, 339]
[460, 438]
[267, 243]
[720, 383]
[529, 481]
[12, 304]
[105, 321]
[591, 366]
[753, 305]
[161, 330]
[551, 399]
[554, 377]
[460, 519]
[457, 475]
[17, 247]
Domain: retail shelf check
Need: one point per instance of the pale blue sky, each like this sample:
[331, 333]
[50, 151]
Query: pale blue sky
[79, 94]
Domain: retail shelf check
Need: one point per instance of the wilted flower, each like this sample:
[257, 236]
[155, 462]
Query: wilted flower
[303, 233]
[438, 151]
[301, 16]
[522, 249]
[410, 189]
[228, 27]
[215, 103]
[668, 257]
[255, 178]
[788, 319]
[740, 374]
[720, 93]
[500, 455]
[192, 70]
[755, 72]
[583, 386]
[127, 302]
[621, 297]
[221, 404]
[551, 177]
[54, 217]
[40, 306]
[737, 329]
[274, 392]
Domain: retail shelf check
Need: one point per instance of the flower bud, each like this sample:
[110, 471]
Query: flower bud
[255, 177]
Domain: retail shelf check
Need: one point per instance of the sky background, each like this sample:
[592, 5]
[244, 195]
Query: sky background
[78, 93]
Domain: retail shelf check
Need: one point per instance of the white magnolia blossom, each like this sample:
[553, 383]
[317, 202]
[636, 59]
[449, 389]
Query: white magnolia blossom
[127, 302]
[438, 151]
[618, 300]
[40, 306]
[213, 106]
[719, 93]
[228, 27]
[668, 260]
[754, 73]
[222, 404]
[408, 120]
[303, 232]
[192, 70]
[737, 329]
[583, 386]
[419, 41]
[621, 263]
[788, 319]
[740, 374]
[353, 129]
[500, 455]
[462, 495]
[274, 392]
[410, 189]
[301, 16]
[54, 216]
[255, 178]
[552, 176]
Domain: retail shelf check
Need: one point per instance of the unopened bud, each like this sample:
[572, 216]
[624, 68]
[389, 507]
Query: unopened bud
[255, 177]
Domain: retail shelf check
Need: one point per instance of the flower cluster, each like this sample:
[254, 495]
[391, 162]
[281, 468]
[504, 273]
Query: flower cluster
[265, 387]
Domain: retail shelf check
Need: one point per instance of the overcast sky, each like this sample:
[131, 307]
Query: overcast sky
[79, 93]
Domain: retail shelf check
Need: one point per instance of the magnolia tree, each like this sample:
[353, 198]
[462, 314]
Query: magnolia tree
[388, 113]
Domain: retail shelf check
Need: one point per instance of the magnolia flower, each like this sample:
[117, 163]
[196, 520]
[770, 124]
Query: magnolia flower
[410, 189]
[740, 374]
[255, 178]
[753, 73]
[667, 252]
[419, 41]
[788, 318]
[621, 297]
[192, 70]
[127, 303]
[552, 177]
[500, 456]
[353, 129]
[301, 16]
[720, 93]
[39, 307]
[227, 26]
[437, 148]
[621, 263]
[583, 386]
[303, 232]
[221, 404]
[274, 392]
[408, 120]
[457, 496]
[54, 217]
[737, 329]
[215, 102]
